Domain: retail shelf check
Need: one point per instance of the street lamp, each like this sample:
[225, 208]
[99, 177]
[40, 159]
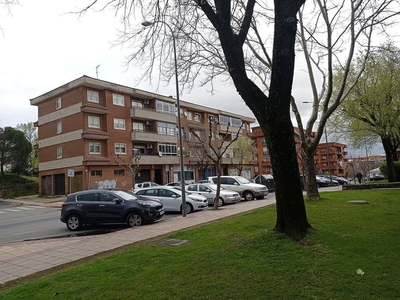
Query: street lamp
[146, 24]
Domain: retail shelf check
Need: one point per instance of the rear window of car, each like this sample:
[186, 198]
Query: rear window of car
[192, 188]
[86, 197]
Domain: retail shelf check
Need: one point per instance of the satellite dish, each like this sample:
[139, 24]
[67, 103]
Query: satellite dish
[160, 154]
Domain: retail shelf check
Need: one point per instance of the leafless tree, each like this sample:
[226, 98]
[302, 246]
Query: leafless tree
[132, 166]
[248, 42]
[329, 37]
[215, 147]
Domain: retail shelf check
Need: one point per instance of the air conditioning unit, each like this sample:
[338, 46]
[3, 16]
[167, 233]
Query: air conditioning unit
[148, 123]
[188, 153]
[149, 146]
[146, 102]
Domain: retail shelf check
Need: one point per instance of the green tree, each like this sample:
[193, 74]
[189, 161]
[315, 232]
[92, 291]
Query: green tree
[373, 105]
[243, 149]
[14, 150]
[31, 135]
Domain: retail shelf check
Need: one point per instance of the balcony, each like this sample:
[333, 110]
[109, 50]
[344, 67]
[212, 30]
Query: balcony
[151, 114]
[150, 136]
[158, 160]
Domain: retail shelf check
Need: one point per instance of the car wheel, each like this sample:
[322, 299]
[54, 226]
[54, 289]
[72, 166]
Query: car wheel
[221, 202]
[74, 222]
[188, 208]
[134, 219]
[248, 196]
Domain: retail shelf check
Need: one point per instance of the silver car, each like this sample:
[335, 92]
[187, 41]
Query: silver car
[210, 192]
[171, 198]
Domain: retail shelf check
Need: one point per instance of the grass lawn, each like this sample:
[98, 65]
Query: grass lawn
[352, 253]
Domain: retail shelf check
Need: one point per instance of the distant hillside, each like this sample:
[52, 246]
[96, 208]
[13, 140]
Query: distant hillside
[12, 186]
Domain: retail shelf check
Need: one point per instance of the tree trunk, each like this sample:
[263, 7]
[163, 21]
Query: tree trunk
[311, 183]
[273, 112]
[219, 173]
[387, 146]
[291, 212]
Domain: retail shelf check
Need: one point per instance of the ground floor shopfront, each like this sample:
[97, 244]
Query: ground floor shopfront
[64, 181]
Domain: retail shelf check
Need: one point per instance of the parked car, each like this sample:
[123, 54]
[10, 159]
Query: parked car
[321, 181]
[145, 184]
[376, 177]
[209, 190]
[171, 198]
[247, 189]
[340, 180]
[331, 182]
[109, 206]
[267, 180]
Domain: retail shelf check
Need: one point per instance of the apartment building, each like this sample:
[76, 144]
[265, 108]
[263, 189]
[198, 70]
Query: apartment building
[330, 158]
[90, 131]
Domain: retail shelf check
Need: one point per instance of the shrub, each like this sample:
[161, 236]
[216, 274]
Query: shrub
[383, 169]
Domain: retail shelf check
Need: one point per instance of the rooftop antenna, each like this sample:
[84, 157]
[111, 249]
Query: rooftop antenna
[97, 71]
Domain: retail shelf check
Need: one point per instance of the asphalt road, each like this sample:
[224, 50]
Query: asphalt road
[30, 222]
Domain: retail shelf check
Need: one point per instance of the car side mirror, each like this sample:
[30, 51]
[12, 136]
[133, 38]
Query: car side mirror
[208, 191]
[117, 200]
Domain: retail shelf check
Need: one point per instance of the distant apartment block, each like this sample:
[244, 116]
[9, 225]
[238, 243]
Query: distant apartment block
[329, 157]
[87, 125]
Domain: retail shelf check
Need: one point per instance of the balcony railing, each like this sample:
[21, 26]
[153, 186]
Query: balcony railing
[148, 136]
[158, 160]
[151, 114]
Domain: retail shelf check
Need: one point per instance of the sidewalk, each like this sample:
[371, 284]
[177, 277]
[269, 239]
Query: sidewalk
[21, 259]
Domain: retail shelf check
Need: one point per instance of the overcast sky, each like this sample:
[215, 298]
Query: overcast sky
[43, 46]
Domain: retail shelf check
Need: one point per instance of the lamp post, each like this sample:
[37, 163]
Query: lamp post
[146, 24]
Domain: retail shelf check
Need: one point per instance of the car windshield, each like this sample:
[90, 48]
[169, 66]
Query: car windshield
[125, 195]
[242, 180]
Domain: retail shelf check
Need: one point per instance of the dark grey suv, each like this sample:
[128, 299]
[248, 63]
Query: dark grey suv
[109, 206]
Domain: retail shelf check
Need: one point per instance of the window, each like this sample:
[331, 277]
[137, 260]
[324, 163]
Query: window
[93, 96]
[59, 127]
[225, 120]
[86, 197]
[119, 124]
[120, 148]
[166, 128]
[189, 115]
[137, 104]
[93, 122]
[94, 148]
[118, 100]
[165, 107]
[119, 173]
[96, 173]
[197, 117]
[167, 149]
[58, 103]
[59, 152]
[138, 126]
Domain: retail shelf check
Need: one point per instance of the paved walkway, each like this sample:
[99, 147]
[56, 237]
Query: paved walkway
[21, 259]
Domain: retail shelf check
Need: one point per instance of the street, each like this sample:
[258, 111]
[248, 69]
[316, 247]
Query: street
[30, 222]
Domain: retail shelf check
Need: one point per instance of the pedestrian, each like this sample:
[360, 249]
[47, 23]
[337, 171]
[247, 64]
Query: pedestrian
[359, 177]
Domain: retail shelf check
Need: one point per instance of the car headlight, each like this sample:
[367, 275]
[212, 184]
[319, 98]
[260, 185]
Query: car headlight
[196, 200]
[145, 203]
